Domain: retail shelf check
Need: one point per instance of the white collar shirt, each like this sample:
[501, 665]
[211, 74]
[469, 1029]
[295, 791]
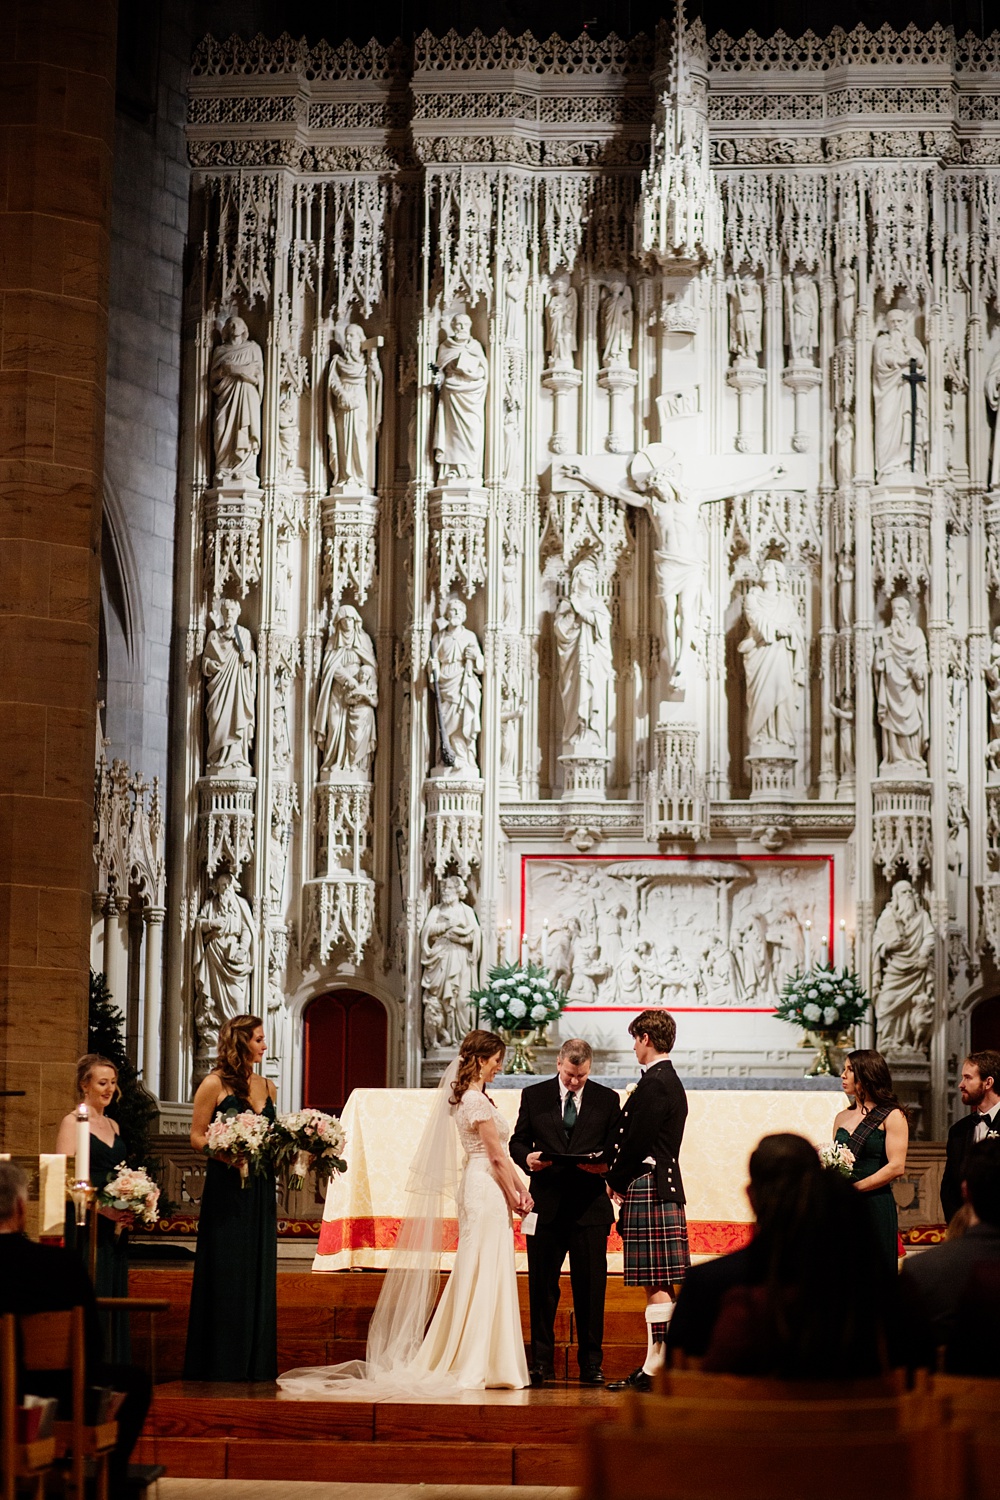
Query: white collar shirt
[986, 1122]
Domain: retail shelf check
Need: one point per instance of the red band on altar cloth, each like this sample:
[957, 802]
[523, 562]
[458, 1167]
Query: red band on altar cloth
[706, 1237]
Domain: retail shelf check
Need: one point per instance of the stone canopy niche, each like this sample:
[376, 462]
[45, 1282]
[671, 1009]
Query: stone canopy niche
[620, 404]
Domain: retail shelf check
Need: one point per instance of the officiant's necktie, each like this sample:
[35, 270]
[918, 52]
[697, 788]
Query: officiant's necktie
[569, 1113]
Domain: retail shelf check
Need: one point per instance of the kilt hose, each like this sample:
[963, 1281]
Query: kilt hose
[654, 1235]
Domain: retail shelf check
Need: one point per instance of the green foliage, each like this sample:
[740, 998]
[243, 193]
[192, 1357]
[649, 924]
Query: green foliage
[136, 1110]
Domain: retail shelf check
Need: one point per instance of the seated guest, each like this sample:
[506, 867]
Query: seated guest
[939, 1277]
[44, 1278]
[976, 1330]
[778, 1167]
[826, 1307]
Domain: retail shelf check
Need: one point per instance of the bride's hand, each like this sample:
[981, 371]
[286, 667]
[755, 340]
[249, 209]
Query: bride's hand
[525, 1203]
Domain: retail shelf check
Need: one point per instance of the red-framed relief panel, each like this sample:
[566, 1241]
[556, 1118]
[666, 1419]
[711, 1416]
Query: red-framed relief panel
[695, 932]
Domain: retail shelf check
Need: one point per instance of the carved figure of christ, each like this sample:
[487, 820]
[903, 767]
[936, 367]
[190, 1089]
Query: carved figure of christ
[653, 481]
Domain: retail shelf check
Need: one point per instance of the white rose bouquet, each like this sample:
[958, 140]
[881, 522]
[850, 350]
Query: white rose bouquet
[308, 1140]
[823, 999]
[244, 1137]
[131, 1190]
[837, 1157]
[519, 997]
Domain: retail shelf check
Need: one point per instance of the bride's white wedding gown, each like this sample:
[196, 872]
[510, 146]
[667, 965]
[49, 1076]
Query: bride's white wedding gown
[475, 1334]
[474, 1339]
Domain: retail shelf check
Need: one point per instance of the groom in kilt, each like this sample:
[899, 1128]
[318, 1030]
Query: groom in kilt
[645, 1179]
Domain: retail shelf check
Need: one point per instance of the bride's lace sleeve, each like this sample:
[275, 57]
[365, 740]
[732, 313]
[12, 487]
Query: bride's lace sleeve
[475, 1106]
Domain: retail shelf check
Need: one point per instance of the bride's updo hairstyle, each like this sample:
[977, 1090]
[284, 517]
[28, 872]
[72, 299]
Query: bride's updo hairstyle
[235, 1063]
[478, 1047]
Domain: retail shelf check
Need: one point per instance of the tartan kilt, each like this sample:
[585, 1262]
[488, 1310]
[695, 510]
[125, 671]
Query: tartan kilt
[654, 1235]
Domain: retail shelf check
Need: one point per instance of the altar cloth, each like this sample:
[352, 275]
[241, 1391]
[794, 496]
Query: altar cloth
[363, 1206]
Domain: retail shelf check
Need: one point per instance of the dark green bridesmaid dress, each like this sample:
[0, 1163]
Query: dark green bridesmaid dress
[869, 1158]
[111, 1276]
[233, 1321]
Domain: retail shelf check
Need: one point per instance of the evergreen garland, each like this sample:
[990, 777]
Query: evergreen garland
[136, 1110]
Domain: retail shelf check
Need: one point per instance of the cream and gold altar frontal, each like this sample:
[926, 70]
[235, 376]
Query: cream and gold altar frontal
[590, 538]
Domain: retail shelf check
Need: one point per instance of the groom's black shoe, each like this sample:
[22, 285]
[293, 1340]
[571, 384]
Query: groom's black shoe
[538, 1375]
[637, 1381]
[593, 1375]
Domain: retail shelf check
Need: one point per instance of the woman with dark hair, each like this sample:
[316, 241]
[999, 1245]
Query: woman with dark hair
[874, 1128]
[97, 1088]
[474, 1339]
[233, 1320]
[826, 1305]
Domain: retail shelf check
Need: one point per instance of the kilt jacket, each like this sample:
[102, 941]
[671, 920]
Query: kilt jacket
[652, 1124]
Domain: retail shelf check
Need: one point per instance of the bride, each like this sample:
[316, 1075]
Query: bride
[474, 1340]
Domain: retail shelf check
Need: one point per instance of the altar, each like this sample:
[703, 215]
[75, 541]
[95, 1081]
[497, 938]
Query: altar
[726, 1119]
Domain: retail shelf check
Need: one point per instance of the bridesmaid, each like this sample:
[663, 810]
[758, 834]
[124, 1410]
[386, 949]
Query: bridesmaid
[233, 1322]
[874, 1127]
[97, 1087]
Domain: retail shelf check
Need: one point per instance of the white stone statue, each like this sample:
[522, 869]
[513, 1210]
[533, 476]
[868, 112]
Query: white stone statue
[900, 665]
[746, 318]
[774, 658]
[847, 301]
[992, 675]
[454, 667]
[229, 668]
[616, 323]
[237, 386]
[355, 385]
[346, 699]
[993, 401]
[224, 959]
[903, 988]
[451, 944]
[560, 323]
[803, 317]
[514, 292]
[582, 630]
[462, 374]
[656, 485]
[898, 362]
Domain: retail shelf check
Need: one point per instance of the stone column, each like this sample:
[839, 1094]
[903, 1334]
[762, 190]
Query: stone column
[152, 998]
[56, 140]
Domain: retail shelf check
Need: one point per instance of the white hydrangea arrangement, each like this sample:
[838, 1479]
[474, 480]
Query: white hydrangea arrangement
[823, 999]
[518, 997]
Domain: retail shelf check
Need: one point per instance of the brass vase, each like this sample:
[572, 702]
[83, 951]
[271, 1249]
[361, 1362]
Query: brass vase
[520, 1058]
[825, 1041]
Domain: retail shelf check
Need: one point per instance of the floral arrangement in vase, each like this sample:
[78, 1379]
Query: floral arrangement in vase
[516, 1000]
[826, 1002]
[309, 1140]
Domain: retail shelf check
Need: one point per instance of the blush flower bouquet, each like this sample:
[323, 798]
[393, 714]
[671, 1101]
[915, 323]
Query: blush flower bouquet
[244, 1137]
[131, 1190]
[837, 1157]
[308, 1139]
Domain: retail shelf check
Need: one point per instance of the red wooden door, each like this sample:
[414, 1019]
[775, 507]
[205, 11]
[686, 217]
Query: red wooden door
[345, 1048]
[984, 1025]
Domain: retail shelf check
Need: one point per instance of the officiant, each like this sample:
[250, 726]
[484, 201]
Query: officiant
[568, 1115]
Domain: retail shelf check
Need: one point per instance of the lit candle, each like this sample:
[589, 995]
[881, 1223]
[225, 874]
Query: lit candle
[842, 945]
[545, 942]
[824, 945]
[809, 926]
[82, 1143]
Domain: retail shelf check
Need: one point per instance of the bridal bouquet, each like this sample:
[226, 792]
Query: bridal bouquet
[131, 1190]
[309, 1139]
[823, 999]
[519, 997]
[837, 1157]
[243, 1137]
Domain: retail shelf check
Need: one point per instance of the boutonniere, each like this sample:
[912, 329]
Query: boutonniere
[630, 1090]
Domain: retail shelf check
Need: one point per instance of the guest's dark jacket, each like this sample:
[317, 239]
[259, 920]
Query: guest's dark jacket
[45, 1278]
[940, 1276]
[702, 1294]
[959, 1140]
[652, 1124]
[565, 1190]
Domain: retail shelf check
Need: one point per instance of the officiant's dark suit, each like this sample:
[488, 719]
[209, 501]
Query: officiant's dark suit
[574, 1217]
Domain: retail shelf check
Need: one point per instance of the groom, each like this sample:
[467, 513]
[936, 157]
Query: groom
[565, 1114]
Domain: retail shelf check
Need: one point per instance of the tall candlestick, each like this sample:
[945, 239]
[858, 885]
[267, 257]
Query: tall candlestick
[824, 954]
[545, 942]
[524, 949]
[842, 945]
[82, 1143]
[808, 945]
[508, 942]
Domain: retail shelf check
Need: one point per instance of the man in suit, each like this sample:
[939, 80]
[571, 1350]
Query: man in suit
[978, 1087]
[939, 1277]
[568, 1113]
[44, 1278]
[645, 1178]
